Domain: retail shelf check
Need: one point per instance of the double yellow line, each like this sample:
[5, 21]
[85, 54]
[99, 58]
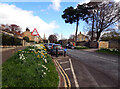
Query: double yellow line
[64, 75]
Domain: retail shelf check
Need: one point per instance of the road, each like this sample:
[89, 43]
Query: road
[94, 69]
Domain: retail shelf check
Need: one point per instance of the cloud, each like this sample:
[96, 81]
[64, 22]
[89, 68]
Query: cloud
[10, 14]
[55, 5]
[84, 1]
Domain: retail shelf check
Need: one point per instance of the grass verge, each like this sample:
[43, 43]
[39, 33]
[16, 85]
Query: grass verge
[81, 47]
[29, 68]
[109, 51]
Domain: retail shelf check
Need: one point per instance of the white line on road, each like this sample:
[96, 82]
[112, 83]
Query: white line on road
[105, 58]
[67, 69]
[74, 76]
[64, 62]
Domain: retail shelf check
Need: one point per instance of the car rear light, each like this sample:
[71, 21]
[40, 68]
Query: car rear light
[52, 47]
[61, 47]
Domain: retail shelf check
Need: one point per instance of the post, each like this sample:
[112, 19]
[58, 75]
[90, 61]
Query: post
[65, 50]
[56, 52]
[34, 42]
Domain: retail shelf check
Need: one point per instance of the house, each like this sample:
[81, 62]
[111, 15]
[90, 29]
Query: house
[27, 33]
[82, 37]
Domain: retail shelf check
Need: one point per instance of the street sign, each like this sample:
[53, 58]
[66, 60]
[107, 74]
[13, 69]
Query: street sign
[35, 32]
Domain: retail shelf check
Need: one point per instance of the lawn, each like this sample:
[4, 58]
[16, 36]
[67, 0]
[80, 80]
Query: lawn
[30, 68]
[109, 51]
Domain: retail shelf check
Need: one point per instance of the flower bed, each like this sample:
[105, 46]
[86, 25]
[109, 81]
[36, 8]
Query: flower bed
[31, 67]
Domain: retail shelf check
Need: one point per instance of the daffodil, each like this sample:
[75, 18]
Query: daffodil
[38, 56]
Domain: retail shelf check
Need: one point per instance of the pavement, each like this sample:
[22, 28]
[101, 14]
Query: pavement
[6, 53]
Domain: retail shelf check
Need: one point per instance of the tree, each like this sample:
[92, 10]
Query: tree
[92, 34]
[113, 35]
[72, 15]
[26, 38]
[15, 28]
[105, 15]
[71, 38]
[52, 38]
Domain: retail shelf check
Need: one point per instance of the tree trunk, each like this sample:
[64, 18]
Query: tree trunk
[98, 34]
[92, 27]
[76, 32]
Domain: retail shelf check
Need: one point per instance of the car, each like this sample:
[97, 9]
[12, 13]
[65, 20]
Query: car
[70, 46]
[48, 46]
[56, 46]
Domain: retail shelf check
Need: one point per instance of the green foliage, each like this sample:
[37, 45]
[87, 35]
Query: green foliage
[26, 38]
[113, 35]
[57, 42]
[72, 15]
[17, 72]
[81, 47]
[9, 40]
[52, 38]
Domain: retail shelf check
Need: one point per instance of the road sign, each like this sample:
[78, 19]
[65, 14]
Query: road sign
[35, 32]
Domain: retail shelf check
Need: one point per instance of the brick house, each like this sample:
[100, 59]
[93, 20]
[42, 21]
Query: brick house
[31, 38]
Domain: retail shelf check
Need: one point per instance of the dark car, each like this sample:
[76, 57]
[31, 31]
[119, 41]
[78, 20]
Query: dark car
[70, 46]
[56, 46]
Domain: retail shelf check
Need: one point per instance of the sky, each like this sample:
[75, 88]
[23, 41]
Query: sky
[44, 16]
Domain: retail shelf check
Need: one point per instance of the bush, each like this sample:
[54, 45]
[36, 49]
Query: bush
[111, 51]
[80, 47]
[10, 40]
[26, 38]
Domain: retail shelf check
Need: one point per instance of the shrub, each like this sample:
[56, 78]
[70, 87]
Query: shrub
[81, 47]
[10, 40]
[26, 38]
[111, 51]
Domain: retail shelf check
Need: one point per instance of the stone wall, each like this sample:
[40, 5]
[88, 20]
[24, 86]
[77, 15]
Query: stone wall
[104, 44]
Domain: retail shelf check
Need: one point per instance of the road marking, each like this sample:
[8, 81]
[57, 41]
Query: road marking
[61, 74]
[74, 76]
[64, 74]
[105, 58]
[64, 62]
[67, 69]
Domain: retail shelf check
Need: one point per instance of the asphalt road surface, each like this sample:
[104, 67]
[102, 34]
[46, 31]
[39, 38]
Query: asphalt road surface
[94, 69]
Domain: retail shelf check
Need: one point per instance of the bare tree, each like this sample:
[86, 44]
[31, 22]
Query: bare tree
[103, 15]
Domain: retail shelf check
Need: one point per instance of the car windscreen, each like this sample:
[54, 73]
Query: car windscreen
[57, 46]
[50, 44]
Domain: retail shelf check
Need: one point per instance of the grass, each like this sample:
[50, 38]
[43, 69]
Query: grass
[81, 47]
[109, 51]
[29, 72]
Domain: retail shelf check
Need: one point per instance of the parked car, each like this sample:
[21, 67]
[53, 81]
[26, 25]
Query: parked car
[59, 47]
[70, 46]
[48, 46]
